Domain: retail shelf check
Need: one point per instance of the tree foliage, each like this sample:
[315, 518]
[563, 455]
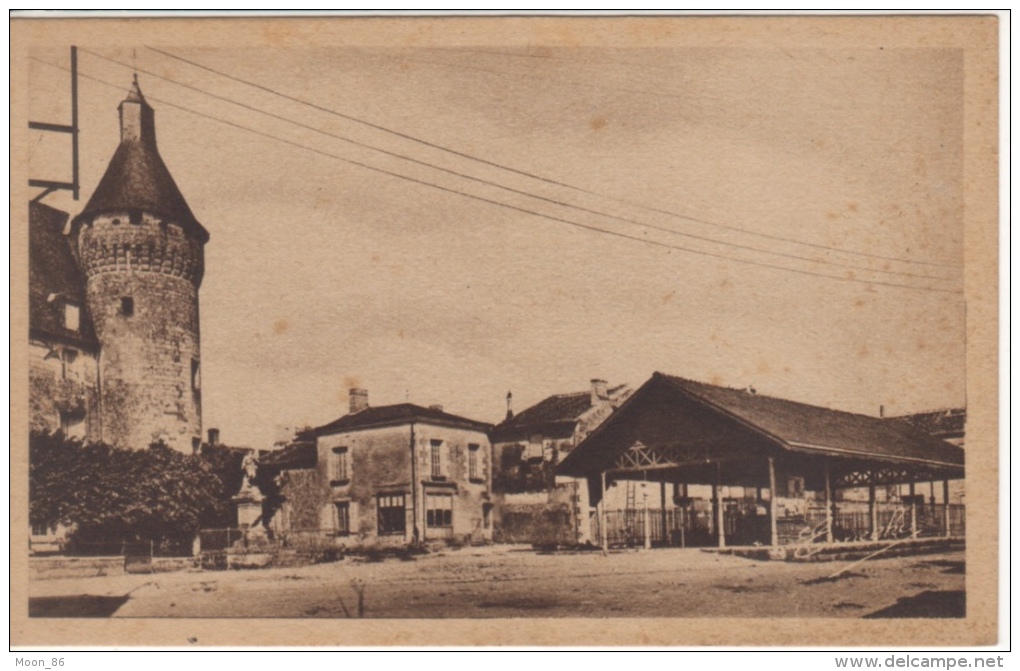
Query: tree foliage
[107, 493]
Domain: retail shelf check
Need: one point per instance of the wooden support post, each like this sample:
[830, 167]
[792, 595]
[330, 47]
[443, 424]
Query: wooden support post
[828, 505]
[773, 505]
[683, 515]
[720, 510]
[714, 522]
[945, 503]
[603, 532]
[665, 522]
[872, 509]
[647, 530]
[683, 526]
[913, 512]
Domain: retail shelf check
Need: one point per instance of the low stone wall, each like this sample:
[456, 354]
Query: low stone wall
[50, 568]
[822, 552]
[535, 524]
[53, 568]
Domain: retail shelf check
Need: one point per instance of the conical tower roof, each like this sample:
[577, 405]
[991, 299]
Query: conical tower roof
[136, 178]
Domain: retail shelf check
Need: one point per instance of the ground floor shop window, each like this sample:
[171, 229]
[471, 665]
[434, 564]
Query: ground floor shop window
[439, 510]
[391, 514]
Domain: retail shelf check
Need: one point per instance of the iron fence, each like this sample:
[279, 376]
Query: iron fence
[216, 546]
[894, 520]
[747, 523]
[122, 548]
[744, 524]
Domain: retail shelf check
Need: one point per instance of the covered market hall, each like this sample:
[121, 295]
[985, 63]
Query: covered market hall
[774, 472]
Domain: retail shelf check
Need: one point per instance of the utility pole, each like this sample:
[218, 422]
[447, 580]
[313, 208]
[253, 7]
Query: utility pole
[49, 186]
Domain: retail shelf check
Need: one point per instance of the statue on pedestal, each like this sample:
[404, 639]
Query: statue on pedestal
[248, 499]
[250, 468]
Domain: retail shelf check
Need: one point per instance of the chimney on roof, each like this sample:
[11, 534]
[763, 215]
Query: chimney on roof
[358, 399]
[599, 391]
[214, 436]
[509, 406]
[436, 406]
[881, 411]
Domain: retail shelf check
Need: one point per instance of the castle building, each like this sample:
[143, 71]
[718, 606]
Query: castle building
[114, 319]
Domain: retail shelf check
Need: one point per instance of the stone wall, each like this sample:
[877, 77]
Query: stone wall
[143, 276]
[62, 389]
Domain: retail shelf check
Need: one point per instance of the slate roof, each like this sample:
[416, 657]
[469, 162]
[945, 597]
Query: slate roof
[297, 455]
[53, 271]
[137, 179]
[556, 412]
[395, 415]
[824, 429]
[555, 416]
[798, 426]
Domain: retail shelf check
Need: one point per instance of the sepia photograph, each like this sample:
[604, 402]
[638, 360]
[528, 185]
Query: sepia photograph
[567, 330]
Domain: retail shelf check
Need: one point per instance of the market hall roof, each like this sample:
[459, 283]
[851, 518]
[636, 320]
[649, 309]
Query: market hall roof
[787, 425]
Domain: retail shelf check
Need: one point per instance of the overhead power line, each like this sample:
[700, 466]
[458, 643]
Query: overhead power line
[508, 188]
[502, 204]
[532, 175]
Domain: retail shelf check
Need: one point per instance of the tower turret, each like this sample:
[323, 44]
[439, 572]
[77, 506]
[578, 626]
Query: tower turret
[142, 251]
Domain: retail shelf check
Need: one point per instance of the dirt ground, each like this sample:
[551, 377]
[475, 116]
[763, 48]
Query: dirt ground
[503, 582]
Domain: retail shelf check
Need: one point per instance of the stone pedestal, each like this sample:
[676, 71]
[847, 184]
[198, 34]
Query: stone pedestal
[249, 508]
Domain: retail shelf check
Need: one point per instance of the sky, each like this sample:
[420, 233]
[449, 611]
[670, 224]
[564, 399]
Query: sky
[737, 191]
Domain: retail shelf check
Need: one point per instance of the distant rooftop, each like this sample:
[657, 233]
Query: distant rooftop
[948, 423]
[552, 416]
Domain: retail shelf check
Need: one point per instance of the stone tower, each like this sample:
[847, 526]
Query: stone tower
[141, 250]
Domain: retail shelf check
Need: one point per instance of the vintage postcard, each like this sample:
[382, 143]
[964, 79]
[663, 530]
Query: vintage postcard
[491, 331]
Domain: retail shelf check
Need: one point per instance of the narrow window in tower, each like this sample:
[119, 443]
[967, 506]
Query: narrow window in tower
[72, 317]
[196, 375]
[127, 306]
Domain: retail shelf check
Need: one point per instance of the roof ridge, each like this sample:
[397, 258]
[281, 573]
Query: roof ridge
[936, 411]
[774, 398]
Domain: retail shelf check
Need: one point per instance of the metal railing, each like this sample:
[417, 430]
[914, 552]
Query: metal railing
[852, 522]
[747, 523]
[257, 538]
[743, 523]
